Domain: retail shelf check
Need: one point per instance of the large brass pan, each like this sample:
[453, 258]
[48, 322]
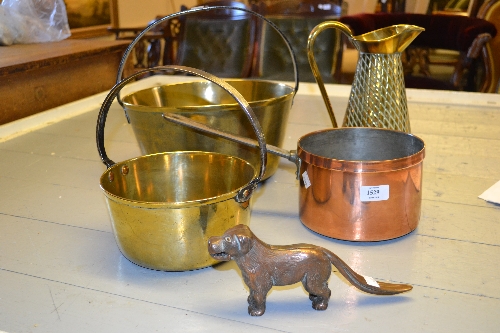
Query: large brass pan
[207, 103]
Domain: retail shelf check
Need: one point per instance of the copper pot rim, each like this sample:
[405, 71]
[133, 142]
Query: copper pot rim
[359, 166]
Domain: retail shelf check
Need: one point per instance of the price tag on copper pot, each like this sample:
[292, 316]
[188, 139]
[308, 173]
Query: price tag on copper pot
[307, 181]
[374, 193]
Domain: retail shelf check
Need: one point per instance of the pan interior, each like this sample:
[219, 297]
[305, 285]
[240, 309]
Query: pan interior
[177, 177]
[205, 93]
[361, 144]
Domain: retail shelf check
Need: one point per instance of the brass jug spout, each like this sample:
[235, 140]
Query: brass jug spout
[392, 39]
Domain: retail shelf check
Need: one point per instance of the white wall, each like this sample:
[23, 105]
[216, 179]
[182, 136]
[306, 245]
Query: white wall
[137, 13]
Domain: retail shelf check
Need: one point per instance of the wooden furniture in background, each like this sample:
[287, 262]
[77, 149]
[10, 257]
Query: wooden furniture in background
[148, 51]
[296, 19]
[490, 11]
[37, 77]
[218, 41]
[463, 34]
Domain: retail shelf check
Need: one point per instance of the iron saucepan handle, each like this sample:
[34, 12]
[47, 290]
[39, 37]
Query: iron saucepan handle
[188, 122]
[247, 191]
[204, 9]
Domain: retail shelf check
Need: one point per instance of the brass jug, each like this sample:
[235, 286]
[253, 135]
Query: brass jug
[378, 95]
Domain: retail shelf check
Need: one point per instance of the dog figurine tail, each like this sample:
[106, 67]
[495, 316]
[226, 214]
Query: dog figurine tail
[365, 283]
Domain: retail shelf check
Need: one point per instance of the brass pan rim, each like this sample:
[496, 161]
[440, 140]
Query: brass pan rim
[116, 168]
[208, 107]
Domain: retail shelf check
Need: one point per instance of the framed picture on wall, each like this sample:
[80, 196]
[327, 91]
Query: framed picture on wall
[89, 18]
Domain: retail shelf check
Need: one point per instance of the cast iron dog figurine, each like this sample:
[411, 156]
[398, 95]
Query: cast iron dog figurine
[264, 266]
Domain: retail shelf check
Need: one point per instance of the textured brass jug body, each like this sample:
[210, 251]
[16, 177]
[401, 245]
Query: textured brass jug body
[378, 95]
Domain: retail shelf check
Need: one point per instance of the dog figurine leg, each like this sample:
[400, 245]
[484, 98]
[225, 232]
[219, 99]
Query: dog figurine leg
[320, 302]
[256, 303]
[318, 290]
[259, 286]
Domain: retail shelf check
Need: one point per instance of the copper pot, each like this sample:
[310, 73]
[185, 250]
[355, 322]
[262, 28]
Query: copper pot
[356, 183]
[360, 184]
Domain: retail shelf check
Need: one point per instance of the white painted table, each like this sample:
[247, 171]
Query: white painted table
[61, 271]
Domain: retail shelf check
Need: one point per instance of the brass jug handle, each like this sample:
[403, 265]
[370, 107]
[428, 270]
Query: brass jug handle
[314, 66]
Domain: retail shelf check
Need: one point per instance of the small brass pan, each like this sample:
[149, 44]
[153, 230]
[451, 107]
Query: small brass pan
[164, 207]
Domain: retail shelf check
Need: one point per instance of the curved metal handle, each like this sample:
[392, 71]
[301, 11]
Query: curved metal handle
[202, 9]
[314, 66]
[245, 192]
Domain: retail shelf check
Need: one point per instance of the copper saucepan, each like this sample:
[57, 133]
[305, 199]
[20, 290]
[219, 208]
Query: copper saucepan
[356, 183]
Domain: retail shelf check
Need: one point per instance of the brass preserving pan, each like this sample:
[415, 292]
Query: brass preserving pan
[165, 206]
[209, 104]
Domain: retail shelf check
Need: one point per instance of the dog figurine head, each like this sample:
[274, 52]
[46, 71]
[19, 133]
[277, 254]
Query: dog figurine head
[234, 243]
